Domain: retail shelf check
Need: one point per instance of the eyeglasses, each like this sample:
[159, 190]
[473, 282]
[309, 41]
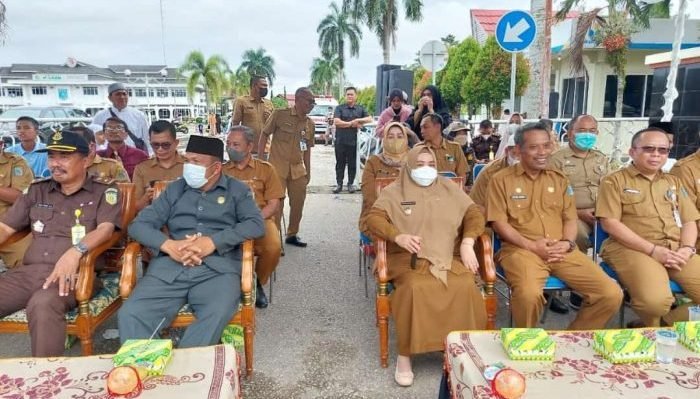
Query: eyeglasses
[650, 149]
[114, 129]
[165, 146]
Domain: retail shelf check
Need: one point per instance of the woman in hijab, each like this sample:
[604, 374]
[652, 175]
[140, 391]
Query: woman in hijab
[430, 226]
[430, 102]
[386, 164]
[397, 111]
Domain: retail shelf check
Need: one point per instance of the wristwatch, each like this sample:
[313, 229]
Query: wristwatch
[691, 248]
[81, 247]
[572, 245]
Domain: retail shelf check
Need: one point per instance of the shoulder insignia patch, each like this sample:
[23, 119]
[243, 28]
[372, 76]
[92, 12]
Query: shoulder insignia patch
[111, 196]
[17, 171]
[569, 190]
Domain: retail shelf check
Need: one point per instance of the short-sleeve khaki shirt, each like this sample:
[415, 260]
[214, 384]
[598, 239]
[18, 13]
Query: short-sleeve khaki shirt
[450, 157]
[151, 170]
[481, 184]
[646, 206]
[536, 208]
[584, 173]
[688, 170]
[14, 173]
[252, 113]
[288, 129]
[261, 176]
[108, 169]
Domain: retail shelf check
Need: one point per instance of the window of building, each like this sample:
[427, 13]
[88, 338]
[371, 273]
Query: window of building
[14, 91]
[182, 112]
[161, 92]
[89, 90]
[151, 93]
[163, 113]
[636, 99]
[140, 92]
[573, 97]
[130, 92]
[179, 93]
[39, 90]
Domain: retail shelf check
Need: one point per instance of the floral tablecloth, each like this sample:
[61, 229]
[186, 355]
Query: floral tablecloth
[207, 372]
[576, 372]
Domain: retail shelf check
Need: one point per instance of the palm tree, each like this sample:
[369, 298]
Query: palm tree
[382, 18]
[333, 31]
[324, 71]
[238, 83]
[208, 72]
[257, 62]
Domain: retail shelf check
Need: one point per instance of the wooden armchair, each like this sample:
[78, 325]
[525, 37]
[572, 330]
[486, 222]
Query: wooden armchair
[245, 316]
[92, 311]
[487, 271]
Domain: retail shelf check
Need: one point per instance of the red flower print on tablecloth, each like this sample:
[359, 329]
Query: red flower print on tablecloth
[8, 384]
[630, 375]
[481, 392]
[53, 382]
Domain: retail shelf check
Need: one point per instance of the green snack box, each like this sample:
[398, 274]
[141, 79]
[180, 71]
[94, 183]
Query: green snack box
[527, 344]
[233, 335]
[689, 334]
[624, 346]
[151, 355]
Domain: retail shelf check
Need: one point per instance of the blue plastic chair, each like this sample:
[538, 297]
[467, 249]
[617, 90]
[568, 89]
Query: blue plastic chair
[448, 174]
[477, 169]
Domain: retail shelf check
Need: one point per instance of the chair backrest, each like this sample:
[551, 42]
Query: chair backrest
[126, 193]
[159, 186]
[599, 235]
[447, 173]
[477, 169]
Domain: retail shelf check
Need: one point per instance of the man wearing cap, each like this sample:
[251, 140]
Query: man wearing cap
[15, 177]
[253, 110]
[116, 133]
[208, 215]
[44, 283]
[485, 144]
[135, 120]
[481, 184]
[103, 168]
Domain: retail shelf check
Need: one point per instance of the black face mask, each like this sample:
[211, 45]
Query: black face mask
[262, 92]
[396, 110]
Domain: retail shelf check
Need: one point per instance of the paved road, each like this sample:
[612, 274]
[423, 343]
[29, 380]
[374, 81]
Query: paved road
[318, 338]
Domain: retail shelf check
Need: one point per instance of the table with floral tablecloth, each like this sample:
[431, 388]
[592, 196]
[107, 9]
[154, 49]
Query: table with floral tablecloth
[206, 372]
[576, 372]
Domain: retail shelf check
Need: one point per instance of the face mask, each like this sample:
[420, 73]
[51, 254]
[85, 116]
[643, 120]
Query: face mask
[585, 140]
[236, 156]
[262, 92]
[395, 146]
[194, 175]
[486, 135]
[462, 140]
[512, 160]
[424, 175]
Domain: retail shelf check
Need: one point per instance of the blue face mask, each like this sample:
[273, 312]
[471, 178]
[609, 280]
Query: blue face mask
[585, 140]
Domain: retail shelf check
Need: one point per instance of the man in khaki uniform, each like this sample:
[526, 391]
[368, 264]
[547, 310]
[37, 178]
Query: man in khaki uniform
[531, 208]
[481, 184]
[268, 194]
[652, 224]
[688, 170]
[290, 153]
[15, 178]
[585, 168]
[253, 110]
[450, 157]
[108, 170]
[166, 164]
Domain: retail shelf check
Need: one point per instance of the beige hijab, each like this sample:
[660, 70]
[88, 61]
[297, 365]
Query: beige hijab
[434, 213]
[395, 157]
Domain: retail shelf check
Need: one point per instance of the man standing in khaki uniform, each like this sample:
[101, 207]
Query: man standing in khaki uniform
[688, 170]
[652, 224]
[103, 168]
[267, 192]
[450, 157]
[481, 184]
[531, 208]
[290, 153]
[165, 165]
[15, 178]
[253, 110]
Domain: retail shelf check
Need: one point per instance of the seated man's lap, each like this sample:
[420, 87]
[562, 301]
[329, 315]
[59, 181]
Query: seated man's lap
[19, 284]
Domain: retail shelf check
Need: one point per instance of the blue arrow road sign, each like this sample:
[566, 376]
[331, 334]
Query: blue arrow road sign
[515, 31]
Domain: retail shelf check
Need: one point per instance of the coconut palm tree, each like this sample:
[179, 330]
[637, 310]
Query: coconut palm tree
[207, 72]
[324, 71]
[333, 32]
[257, 62]
[238, 83]
[382, 18]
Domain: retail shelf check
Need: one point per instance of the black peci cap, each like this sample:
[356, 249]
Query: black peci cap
[206, 146]
[66, 141]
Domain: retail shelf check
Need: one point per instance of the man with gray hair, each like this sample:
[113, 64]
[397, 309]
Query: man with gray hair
[136, 122]
[268, 194]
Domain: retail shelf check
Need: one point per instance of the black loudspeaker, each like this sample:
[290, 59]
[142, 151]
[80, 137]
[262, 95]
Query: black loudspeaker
[553, 105]
[383, 85]
[402, 80]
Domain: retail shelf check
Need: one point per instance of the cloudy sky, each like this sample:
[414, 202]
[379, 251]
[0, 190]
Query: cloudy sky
[103, 32]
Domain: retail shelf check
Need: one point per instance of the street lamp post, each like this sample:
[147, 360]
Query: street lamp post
[147, 79]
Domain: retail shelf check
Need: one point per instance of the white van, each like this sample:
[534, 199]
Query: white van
[322, 111]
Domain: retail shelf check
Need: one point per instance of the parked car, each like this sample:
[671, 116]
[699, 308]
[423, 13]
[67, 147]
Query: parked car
[8, 118]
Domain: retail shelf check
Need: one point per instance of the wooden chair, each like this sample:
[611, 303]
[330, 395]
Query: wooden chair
[484, 254]
[245, 316]
[92, 311]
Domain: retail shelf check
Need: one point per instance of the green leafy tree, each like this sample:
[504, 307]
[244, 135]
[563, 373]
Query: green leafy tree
[335, 31]
[257, 62]
[460, 61]
[421, 78]
[324, 72]
[238, 83]
[279, 102]
[449, 40]
[210, 73]
[367, 98]
[382, 18]
[488, 82]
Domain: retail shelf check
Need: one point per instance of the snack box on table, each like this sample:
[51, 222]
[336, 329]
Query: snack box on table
[689, 334]
[150, 355]
[527, 344]
[624, 346]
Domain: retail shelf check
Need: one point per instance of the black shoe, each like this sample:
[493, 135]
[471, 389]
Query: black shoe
[338, 189]
[575, 301]
[557, 306]
[294, 240]
[260, 297]
[351, 188]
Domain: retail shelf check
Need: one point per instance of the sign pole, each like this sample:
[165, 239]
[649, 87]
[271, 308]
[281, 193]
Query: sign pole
[432, 74]
[515, 32]
[512, 82]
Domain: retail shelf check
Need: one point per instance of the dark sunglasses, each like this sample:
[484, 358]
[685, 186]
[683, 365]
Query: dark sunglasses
[165, 146]
[650, 149]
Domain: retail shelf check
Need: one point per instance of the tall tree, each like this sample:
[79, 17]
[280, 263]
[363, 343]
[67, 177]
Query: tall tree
[324, 72]
[238, 83]
[382, 18]
[207, 72]
[333, 32]
[257, 62]
[460, 60]
[3, 22]
[367, 98]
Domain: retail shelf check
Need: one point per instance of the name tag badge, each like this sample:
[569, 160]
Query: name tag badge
[38, 226]
[518, 197]
[406, 206]
[631, 191]
[677, 217]
[302, 145]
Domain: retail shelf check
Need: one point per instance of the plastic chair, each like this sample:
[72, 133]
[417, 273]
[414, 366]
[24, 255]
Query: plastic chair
[477, 169]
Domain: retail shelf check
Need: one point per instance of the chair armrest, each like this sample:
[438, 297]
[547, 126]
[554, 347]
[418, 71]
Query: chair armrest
[86, 269]
[18, 235]
[247, 273]
[127, 280]
[484, 254]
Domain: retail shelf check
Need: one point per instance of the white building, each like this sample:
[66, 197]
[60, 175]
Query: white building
[80, 85]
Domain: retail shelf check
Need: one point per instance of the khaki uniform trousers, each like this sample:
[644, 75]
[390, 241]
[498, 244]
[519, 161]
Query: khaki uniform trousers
[296, 192]
[527, 274]
[583, 233]
[268, 249]
[12, 254]
[648, 283]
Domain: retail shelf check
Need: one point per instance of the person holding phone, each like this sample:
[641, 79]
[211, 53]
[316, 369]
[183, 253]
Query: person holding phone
[430, 102]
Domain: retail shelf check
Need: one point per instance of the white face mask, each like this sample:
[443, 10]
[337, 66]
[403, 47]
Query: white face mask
[424, 175]
[462, 140]
[194, 175]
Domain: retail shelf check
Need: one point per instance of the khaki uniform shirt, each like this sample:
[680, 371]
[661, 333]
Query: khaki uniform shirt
[481, 185]
[249, 112]
[650, 208]
[108, 169]
[259, 175]
[450, 158]
[584, 173]
[688, 170]
[151, 170]
[50, 215]
[536, 208]
[14, 173]
[288, 129]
